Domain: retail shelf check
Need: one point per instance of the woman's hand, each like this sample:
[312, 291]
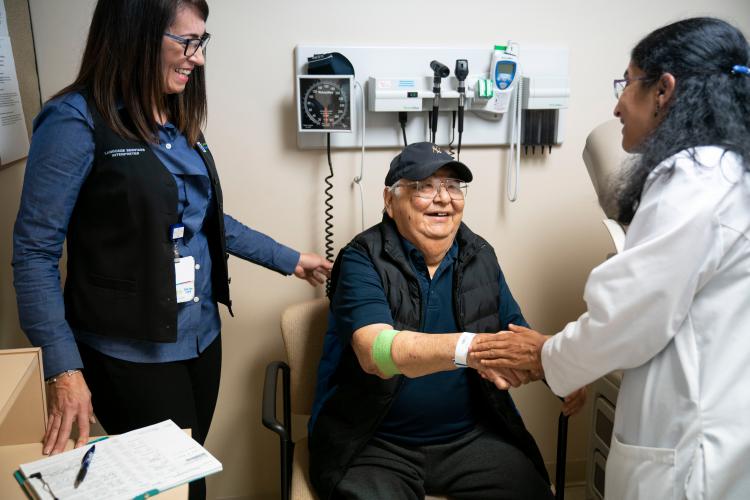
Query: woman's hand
[313, 268]
[503, 378]
[573, 402]
[520, 348]
[68, 401]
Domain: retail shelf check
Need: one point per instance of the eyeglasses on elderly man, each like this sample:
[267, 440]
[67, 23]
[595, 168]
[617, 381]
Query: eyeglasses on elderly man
[428, 188]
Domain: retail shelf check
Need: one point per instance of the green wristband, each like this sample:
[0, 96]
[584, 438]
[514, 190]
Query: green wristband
[381, 353]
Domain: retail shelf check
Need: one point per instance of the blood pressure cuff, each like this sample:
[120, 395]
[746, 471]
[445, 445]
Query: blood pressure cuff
[332, 63]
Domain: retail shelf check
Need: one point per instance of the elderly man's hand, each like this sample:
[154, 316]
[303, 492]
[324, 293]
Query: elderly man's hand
[520, 349]
[505, 378]
[313, 268]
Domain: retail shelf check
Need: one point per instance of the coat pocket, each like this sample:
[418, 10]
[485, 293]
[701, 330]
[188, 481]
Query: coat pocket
[639, 472]
[110, 283]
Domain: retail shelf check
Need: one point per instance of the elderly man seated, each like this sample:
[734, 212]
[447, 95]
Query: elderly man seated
[397, 414]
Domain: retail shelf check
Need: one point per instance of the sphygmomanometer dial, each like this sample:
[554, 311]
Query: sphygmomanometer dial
[326, 106]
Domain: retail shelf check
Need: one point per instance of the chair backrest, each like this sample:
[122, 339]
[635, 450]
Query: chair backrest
[604, 158]
[303, 328]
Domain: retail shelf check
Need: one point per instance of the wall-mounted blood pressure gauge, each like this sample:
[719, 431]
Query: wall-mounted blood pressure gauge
[324, 103]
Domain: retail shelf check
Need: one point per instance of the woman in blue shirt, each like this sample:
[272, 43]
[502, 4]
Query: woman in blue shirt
[118, 165]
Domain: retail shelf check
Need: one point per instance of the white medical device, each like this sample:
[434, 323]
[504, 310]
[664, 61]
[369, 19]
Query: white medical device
[398, 94]
[505, 75]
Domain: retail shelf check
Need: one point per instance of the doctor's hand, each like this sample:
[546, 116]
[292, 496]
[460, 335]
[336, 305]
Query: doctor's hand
[573, 402]
[313, 268]
[68, 401]
[520, 349]
[503, 378]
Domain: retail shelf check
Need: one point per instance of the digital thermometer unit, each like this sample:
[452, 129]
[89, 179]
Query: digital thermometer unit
[505, 72]
[504, 76]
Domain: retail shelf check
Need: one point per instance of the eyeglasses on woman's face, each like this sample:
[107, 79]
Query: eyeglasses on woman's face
[191, 44]
[621, 83]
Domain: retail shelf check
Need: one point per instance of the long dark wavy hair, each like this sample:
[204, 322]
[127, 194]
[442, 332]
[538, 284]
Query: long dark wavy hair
[710, 104]
[122, 63]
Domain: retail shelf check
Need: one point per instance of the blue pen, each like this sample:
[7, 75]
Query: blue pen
[85, 462]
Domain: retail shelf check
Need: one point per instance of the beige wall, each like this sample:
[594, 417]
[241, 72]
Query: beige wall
[547, 242]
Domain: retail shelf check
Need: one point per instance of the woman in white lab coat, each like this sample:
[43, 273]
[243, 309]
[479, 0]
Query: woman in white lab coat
[673, 308]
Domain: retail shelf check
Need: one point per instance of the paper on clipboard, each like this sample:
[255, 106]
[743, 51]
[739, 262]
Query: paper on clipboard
[147, 460]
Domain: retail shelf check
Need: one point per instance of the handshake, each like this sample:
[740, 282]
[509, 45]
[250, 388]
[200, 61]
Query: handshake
[513, 358]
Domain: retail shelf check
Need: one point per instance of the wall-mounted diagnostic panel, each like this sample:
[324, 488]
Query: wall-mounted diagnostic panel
[324, 103]
[397, 80]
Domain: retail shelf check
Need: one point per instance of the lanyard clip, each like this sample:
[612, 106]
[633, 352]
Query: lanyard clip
[176, 232]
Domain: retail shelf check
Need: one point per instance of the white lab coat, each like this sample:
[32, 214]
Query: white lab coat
[673, 311]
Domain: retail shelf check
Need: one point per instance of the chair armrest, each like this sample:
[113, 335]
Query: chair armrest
[284, 430]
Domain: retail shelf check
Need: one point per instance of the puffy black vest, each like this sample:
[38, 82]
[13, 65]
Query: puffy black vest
[351, 415]
[121, 280]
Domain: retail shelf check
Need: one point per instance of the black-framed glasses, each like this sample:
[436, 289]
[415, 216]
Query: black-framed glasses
[428, 188]
[191, 44]
[45, 485]
[620, 84]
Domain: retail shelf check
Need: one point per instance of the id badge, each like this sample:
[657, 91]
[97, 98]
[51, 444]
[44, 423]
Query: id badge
[184, 272]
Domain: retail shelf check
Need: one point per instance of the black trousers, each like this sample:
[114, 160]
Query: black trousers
[477, 466]
[128, 395]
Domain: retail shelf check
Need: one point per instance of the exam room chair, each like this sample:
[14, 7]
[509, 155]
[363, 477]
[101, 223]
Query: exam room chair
[604, 159]
[303, 327]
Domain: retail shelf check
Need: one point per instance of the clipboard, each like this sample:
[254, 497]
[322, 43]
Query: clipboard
[138, 464]
[27, 487]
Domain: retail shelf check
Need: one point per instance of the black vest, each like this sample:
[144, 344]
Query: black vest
[350, 417]
[121, 280]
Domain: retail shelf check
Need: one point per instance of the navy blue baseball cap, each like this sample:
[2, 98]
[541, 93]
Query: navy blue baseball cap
[420, 160]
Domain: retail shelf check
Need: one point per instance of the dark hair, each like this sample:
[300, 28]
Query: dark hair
[710, 104]
[122, 62]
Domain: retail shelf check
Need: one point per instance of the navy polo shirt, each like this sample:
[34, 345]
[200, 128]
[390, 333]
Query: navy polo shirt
[427, 410]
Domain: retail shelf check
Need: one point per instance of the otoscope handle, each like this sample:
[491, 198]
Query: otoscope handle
[461, 72]
[440, 71]
[433, 125]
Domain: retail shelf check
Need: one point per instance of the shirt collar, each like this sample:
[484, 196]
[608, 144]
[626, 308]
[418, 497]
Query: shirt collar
[168, 127]
[416, 257]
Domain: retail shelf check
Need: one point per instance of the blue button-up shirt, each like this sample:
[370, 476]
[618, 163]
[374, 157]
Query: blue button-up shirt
[60, 158]
[421, 412]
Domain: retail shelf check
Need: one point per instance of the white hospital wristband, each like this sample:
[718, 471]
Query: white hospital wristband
[462, 349]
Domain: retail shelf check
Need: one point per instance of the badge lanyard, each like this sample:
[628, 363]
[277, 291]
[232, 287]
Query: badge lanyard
[184, 267]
